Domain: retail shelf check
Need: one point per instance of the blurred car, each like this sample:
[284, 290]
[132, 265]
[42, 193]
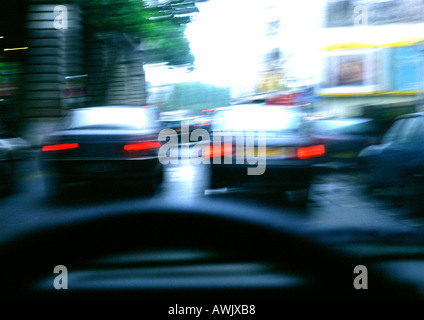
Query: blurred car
[203, 121]
[103, 143]
[399, 160]
[290, 152]
[12, 149]
[344, 138]
[183, 120]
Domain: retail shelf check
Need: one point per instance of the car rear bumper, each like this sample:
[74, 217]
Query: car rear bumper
[85, 170]
[283, 177]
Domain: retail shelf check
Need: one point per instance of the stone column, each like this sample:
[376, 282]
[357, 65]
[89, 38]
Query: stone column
[53, 54]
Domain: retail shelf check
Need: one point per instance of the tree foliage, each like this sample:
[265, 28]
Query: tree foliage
[159, 26]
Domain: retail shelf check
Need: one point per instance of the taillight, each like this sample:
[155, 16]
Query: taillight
[311, 152]
[59, 147]
[141, 146]
[218, 151]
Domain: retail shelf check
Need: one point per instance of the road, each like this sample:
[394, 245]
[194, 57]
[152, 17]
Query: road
[336, 200]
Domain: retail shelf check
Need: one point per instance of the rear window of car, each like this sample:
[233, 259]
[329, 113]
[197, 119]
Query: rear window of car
[106, 118]
[270, 119]
[405, 130]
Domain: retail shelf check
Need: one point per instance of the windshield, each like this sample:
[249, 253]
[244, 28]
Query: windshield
[131, 133]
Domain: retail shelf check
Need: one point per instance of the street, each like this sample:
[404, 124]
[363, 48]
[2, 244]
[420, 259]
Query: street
[336, 200]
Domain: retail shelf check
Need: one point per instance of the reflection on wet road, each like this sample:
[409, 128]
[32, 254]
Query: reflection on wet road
[336, 199]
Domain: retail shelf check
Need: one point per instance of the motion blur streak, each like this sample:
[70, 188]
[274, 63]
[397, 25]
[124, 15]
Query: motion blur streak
[141, 146]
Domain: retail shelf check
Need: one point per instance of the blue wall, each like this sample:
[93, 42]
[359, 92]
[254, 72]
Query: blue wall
[407, 68]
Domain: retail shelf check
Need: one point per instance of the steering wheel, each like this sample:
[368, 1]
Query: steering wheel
[239, 237]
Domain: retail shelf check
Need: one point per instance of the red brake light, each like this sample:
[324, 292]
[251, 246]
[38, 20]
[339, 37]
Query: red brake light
[59, 147]
[218, 151]
[141, 146]
[311, 152]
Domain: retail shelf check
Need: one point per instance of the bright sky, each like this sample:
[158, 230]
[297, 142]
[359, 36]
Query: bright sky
[229, 53]
[228, 40]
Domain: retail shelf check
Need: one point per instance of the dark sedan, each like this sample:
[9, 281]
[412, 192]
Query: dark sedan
[398, 162]
[100, 143]
[263, 146]
[344, 138]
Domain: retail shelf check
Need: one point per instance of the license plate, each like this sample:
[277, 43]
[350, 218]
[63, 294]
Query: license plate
[272, 152]
[280, 151]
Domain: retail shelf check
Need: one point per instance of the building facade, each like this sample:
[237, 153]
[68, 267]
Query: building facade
[372, 59]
